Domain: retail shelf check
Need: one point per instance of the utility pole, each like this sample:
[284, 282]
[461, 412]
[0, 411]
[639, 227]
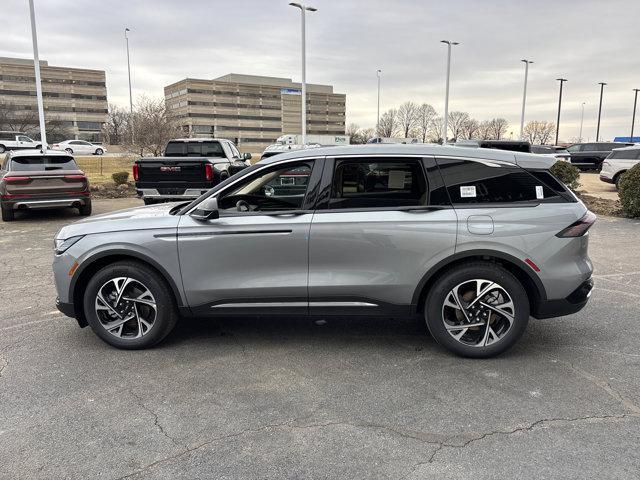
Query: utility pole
[446, 97]
[126, 37]
[581, 121]
[633, 119]
[378, 72]
[524, 94]
[36, 64]
[303, 9]
[561, 80]
[602, 84]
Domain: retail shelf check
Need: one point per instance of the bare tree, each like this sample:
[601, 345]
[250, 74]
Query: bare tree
[484, 130]
[365, 134]
[498, 128]
[114, 128]
[407, 118]
[17, 119]
[435, 130]
[456, 123]
[359, 135]
[150, 127]
[388, 123]
[426, 117]
[539, 132]
[470, 129]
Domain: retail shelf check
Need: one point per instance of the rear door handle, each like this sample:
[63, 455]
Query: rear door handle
[422, 209]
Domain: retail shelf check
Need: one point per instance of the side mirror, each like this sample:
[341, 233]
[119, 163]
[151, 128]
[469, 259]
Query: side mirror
[246, 156]
[207, 210]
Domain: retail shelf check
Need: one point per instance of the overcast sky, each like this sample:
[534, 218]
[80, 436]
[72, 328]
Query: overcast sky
[347, 40]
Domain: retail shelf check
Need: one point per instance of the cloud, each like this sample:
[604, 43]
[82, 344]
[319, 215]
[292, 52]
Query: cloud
[348, 40]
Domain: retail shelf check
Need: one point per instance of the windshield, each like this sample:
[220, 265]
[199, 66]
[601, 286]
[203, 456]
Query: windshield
[194, 149]
[41, 162]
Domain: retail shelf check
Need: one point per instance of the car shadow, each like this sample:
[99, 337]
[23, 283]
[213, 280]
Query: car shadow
[47, 215]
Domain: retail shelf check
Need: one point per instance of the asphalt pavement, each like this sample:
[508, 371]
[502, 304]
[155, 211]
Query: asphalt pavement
[293, 399]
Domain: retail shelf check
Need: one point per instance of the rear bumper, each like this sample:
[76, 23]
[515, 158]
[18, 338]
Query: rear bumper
[38, 203]
[565, 306]
[155, 194]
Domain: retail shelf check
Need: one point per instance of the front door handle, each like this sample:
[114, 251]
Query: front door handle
[292, 213]
[432, 208]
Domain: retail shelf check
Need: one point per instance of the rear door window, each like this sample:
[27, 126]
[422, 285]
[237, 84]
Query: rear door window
[43, 163]
[625, 154]
[175, 149]
[378, 183]
[471, 182]
[211, 149]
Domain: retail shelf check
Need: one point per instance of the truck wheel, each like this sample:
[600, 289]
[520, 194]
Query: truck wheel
[8, 214]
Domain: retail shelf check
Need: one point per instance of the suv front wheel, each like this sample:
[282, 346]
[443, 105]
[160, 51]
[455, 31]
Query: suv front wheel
[129, 305]
[477, 310]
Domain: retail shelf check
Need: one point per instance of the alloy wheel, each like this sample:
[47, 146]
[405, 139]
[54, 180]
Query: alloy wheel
[478, 312]
[126, 308]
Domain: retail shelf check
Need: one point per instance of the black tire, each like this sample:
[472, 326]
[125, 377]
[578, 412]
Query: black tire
[8, 214]
[85, 210]
[466, 272]
[69, 151]
[99, 151]
[2, 149]
[166, 310]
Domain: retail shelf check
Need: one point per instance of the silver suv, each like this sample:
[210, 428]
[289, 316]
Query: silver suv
[473, 240]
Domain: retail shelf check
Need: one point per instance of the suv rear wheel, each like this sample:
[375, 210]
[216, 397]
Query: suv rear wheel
[129, 305]
[477, 310]
[8, 214]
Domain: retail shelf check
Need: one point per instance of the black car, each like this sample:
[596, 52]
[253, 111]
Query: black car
[589, 156]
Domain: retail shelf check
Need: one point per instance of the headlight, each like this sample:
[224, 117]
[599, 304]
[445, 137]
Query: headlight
[62, 246]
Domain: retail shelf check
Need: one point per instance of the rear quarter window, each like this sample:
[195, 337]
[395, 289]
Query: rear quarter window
[625, 154]
[40, 163]
[473, 182]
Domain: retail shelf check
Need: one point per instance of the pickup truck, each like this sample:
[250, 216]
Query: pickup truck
[189, 168]
[17, 141]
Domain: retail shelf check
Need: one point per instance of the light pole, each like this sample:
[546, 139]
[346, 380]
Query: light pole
[561, 80]
[378, 72]
[602, 84]
[36, 65]
[126, 37]
[581, 121]
[633, 119]
[446, 97]
[524, 94]
[303, 9]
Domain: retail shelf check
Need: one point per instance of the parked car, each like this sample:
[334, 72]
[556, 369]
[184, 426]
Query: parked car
[473, 240]
[392, 140]
[80, 147]
[559, 153]
[619, 161]
[17, 141]
[31, 179]
[189, 168]
[589, 156]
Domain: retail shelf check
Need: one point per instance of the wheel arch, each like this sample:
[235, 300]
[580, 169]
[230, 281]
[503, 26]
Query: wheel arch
[533, 285]
[92, 265]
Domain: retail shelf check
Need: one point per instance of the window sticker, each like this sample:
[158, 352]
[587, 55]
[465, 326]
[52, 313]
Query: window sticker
[396, 179]
[539, 192]
[468, 191]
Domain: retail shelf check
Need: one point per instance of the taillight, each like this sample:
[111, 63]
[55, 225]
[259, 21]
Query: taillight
[136, 172]
[16, 179]
[579, 228]
[75, 178]
[208, 172]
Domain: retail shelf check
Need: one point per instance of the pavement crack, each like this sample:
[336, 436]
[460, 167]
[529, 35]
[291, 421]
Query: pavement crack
[156, 419]
[4, 363]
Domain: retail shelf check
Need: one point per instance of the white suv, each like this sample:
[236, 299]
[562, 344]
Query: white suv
[619, 161]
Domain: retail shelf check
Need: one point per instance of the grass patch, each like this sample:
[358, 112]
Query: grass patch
[99, 168]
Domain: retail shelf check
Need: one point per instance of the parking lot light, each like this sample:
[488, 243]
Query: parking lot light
[524, 94]
[36, 65]
[633, 118]
[303, 9]
[446, 97]
[378, 72]
[581, 121]
[602, 84]
[126, 38]
[561, 80]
